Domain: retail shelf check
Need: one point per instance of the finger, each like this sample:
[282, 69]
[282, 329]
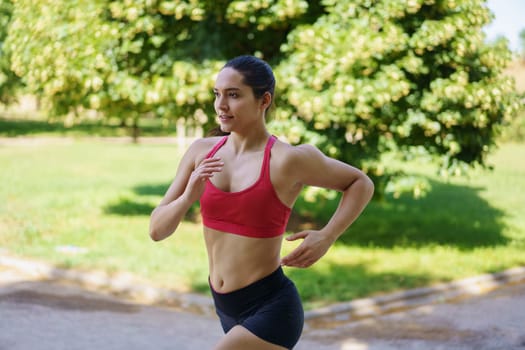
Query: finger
[296, 236]
[302, 262]
[209, 164]
[299, 264]
[211, 161]
[293, 257]
[208, 170]
[200, 175]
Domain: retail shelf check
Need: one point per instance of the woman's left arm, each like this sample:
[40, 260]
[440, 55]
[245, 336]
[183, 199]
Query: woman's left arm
[316, 169]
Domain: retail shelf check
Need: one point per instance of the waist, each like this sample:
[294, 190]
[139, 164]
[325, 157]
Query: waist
[236, 261]
[240, 298]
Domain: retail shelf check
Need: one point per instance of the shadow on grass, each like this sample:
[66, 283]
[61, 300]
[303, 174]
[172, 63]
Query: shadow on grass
[151, 190]
[136, 206]
[28, 127]
[129, 207]
[449, 215]
[13, 127]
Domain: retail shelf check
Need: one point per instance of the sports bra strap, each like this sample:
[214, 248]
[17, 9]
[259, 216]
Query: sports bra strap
[265, 169]
[217, 146]
[266, 161]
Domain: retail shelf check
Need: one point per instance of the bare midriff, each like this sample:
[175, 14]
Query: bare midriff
[237, 261]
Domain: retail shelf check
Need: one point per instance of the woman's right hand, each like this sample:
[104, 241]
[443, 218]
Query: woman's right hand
[198, 177]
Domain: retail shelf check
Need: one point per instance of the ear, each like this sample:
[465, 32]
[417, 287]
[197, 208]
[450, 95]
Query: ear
[266, 100]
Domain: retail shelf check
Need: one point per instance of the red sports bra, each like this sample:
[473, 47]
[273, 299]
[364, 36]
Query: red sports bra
[253, 212]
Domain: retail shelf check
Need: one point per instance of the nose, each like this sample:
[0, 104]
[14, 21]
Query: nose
[221, 104]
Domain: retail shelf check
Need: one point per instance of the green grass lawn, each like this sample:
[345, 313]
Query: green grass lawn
[98, 196]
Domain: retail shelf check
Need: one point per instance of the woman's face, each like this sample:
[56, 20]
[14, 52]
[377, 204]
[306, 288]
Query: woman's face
[235, 105]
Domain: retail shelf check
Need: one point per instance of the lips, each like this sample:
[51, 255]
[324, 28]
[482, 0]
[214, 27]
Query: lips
[223, 117]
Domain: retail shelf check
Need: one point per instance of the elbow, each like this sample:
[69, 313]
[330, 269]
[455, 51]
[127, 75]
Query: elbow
[158, 233]
[366, 186]
[154, 235]
[370, 187]
[362, 187]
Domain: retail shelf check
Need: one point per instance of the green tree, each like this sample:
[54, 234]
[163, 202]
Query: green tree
[130, 58]
[408, 76]
[9, 82]
[61, 50]
[357, 78]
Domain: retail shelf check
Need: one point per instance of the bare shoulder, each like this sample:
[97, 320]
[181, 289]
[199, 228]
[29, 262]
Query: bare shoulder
[205, 142]
[297, 155]
[200, 148]
[307, 151]
[297, 162]
[307, 165]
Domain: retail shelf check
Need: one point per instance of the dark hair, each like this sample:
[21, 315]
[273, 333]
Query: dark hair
[256, 73]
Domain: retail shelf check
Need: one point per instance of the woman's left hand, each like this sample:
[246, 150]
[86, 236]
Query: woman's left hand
[313, 247]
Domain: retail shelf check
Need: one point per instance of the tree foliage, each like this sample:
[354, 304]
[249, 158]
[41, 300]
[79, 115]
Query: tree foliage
[405, 75]
[9, 82]
[357, 78]
[133, 57]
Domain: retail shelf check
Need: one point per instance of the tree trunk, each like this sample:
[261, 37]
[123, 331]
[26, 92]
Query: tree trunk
[135, 130]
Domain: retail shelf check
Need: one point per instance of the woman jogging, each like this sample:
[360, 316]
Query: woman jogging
[247, 182]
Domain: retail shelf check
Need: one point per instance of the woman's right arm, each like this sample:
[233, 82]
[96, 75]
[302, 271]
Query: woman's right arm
[186, 188]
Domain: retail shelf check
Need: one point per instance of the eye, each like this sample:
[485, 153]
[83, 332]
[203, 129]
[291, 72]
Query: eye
[233, 94]
[215, 93]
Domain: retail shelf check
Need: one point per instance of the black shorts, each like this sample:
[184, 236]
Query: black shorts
[269, 308]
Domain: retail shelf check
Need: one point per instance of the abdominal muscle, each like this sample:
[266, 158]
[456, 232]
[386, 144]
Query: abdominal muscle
[237, 261]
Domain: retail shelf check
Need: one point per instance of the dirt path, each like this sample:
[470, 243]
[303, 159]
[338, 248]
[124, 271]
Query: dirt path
[41, 315]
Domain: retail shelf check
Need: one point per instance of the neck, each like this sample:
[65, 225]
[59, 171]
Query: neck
[254, 141]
